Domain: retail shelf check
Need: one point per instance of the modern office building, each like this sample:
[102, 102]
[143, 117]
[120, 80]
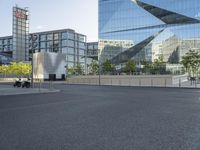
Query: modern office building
[110, 48]
[92, 50]
[91, 55]
[155, 27]
[65, 41]
[21, 45]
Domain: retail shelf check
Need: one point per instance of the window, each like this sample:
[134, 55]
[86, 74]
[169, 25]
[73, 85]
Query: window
[55, 36]
[50, 37]
[42, 45]
[64, 43]
[70, 64]
[81, 38]
[82, 59]
[64, 35]
[70, 58]
[49, 44]
[81, 52]
[70, 50]
[71, 43]
[82, 45]
[42, 37]
[64, 50]
[71, 36]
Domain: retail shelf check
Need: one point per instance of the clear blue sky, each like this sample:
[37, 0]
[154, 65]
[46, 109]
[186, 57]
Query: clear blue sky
[80, 15]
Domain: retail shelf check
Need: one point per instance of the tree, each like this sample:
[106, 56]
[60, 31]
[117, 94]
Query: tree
[94, 67]
[79, 69]
[71, 70]
[191, 63]
[158, 66]
[130, 66]
[108, 67]
[147, 67]
[16, 68]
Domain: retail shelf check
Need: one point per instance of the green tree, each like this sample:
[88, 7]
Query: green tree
[94, 67]
[79, 69]
[108, 67]
[130, 66]
[191, 63]
[147, 66]
[157, 66]
[16, 68]
[71, 70]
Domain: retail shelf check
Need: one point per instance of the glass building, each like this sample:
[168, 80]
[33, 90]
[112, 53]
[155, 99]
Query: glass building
[145, 30]
[65, 41]
[21, 45]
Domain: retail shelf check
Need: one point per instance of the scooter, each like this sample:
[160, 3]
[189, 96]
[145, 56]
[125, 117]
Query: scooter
[17, 83]
[26, 84]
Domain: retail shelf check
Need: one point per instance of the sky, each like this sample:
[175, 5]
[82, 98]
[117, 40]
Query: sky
[45, 15]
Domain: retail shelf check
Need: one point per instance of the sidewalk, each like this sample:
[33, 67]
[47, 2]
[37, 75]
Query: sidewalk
[9, 90]
[188, 84]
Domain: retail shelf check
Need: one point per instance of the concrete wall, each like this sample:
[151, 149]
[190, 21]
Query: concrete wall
[126, 80]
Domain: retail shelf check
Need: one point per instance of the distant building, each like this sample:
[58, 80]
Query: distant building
[188, 44]
[91, 54]
[110, 48]
[21, 45]
[65, 41]
[169, 46]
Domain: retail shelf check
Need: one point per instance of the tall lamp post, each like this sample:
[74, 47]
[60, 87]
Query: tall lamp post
[33, 38]
[99, 71]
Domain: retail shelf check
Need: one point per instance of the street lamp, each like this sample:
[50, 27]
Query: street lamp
[33, 46]
[99, 71]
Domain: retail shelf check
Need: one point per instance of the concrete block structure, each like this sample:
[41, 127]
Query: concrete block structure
[49, 66]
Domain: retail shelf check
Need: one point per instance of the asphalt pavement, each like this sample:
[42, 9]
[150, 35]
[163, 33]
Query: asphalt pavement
[101, 118]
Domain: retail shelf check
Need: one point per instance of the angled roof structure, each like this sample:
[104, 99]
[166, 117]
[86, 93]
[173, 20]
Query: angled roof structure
[166, 16]
[132, 51]
[169, 18]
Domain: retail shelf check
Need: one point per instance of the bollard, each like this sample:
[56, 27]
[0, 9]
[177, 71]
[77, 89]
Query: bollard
[165, 82]
[139, 82]
[179, 82]
[151, 82]
[195, 83]
[39, 85]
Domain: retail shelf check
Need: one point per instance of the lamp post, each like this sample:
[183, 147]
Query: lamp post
[32, 60]
[33, 38]
[99, 71]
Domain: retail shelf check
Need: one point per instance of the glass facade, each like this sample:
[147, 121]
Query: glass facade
[58, 41]
[64, 41]
[147, 29]
[6, 50]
